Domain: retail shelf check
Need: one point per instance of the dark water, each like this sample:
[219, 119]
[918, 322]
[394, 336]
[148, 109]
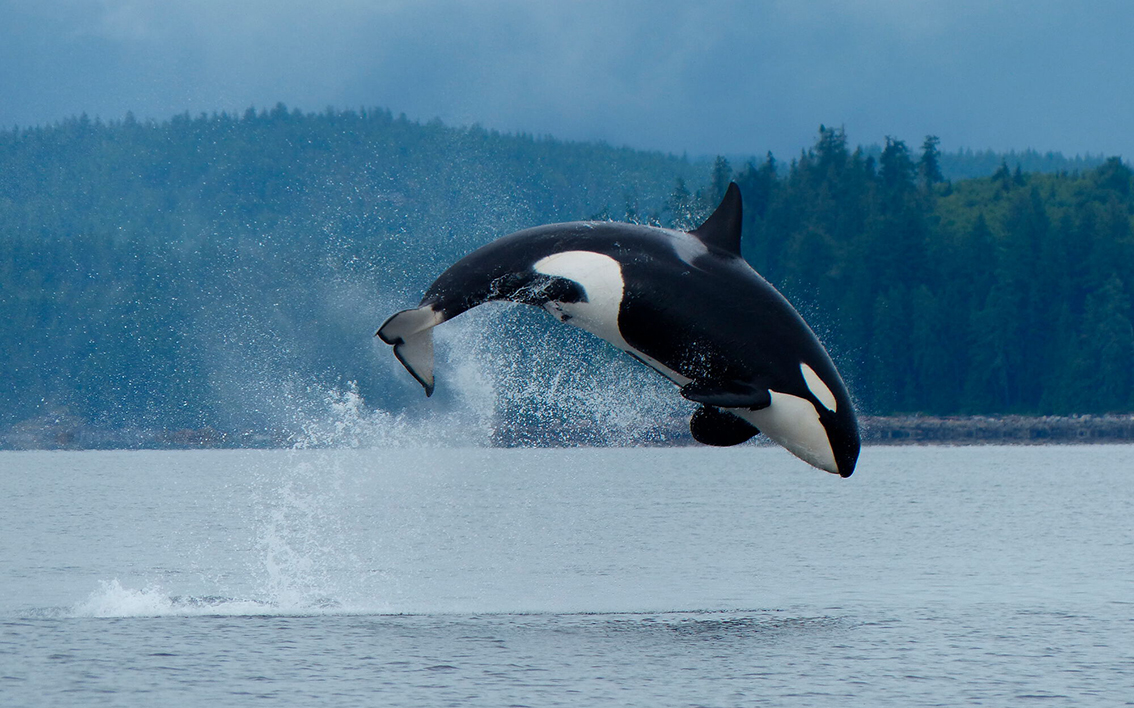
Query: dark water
[651, 577]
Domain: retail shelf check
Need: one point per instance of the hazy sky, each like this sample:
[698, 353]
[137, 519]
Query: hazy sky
[723, 76]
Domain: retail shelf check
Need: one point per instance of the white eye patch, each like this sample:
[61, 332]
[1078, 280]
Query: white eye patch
[818, 388]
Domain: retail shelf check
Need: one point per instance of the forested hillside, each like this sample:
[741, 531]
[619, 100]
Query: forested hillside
[152, 274]
[1010, 294]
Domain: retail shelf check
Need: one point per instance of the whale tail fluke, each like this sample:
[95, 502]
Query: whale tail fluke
[411, 333]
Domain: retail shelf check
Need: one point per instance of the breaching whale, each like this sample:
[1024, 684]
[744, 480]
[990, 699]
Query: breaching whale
[686, 304]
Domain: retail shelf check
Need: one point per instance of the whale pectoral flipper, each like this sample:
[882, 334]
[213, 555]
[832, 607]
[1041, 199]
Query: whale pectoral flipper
[712, 426]
[411, 333]
[727, 394]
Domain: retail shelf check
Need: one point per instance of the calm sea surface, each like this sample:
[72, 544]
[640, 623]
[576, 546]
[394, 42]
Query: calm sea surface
[999, 576]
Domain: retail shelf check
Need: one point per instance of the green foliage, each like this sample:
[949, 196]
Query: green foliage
[153, 275]
[163, 275]
[1006, 294]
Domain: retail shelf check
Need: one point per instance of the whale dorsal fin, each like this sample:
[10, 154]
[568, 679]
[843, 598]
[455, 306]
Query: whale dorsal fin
[722, 229]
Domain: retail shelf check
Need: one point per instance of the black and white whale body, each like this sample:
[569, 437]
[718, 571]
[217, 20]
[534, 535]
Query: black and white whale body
[685, 304]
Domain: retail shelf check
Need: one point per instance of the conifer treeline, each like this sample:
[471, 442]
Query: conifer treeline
[1009, 294]
[149, 271]
[189, 273]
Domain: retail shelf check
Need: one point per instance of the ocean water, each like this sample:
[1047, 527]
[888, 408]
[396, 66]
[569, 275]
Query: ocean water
[1000, 576]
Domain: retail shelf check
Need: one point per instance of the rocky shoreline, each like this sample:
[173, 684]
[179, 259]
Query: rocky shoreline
[1011, 429]
[881, 430]
[67, 433]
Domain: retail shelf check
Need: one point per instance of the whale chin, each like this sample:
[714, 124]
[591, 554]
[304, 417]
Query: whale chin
[794, 423]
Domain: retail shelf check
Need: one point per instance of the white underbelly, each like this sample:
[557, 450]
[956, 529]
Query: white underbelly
[600, 277]
[602, 327]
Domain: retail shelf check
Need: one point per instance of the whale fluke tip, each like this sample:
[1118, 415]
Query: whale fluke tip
[411, 333]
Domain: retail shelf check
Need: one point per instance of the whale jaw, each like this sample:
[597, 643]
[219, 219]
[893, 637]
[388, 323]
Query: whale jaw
[794, 423]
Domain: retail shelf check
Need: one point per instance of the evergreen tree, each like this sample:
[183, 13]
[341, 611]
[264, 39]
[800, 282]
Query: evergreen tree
[929, 166]
[682, 210]
[1108, 347]
[897, 169]
[719, 181]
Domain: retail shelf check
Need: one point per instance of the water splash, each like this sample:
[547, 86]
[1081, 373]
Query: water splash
[303, 547]
[512, 379]
[112, 599]
[290, 550]
[506, 377]
[531, 382]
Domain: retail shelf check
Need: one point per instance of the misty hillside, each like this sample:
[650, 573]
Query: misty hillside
[972, 164]
[210, 272]
[178, 275]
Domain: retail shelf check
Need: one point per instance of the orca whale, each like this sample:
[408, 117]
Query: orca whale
[686, 304]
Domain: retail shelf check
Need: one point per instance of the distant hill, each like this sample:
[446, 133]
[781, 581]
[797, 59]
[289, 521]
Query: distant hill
[972, 164]
[219, 276]
[969, 164]
[183, 274]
